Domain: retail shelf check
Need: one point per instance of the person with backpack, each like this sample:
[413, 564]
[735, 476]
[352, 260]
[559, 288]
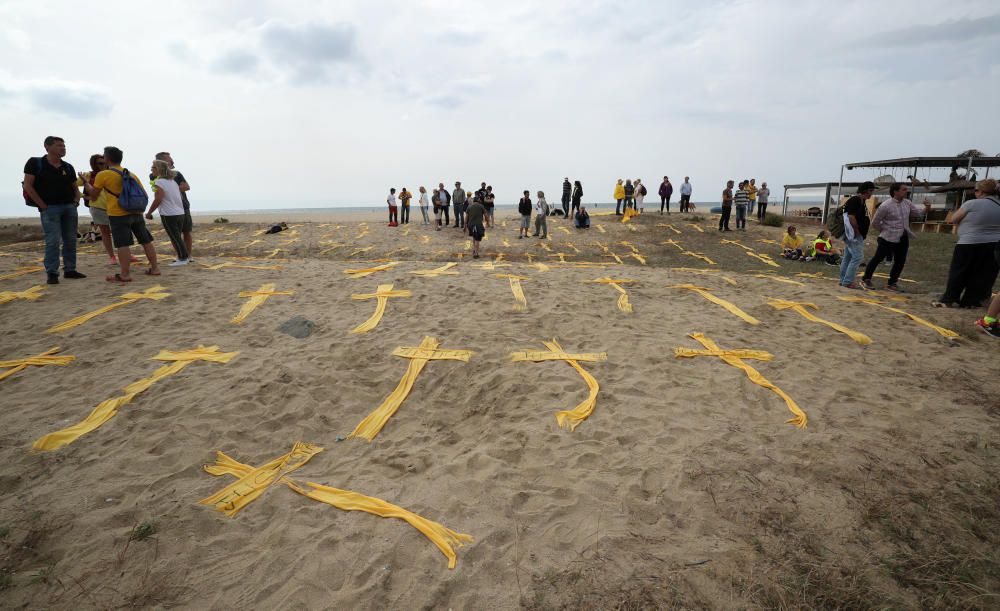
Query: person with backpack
[666, 191]
[50, 185]
[850, 223]
[973, 268]
[892, 220]
[126, 199]
[629, 193]
[640, 194]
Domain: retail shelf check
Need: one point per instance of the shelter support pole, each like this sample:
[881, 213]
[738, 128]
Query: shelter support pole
[839, 187]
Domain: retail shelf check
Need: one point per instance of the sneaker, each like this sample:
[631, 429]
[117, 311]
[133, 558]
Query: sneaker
[855, 286]
[894, 288]
[867, 284]
[992, 329]
[178, 263]
[75, 275]
[53, 279]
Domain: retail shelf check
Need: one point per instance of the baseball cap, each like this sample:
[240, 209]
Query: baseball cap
[866, 186]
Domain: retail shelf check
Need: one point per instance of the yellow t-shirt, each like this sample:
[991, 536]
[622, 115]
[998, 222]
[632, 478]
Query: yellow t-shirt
[111, 183]
[791, 243]
[752, 190]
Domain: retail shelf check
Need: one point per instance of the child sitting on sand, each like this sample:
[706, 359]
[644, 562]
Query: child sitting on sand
[823, 250]
[791, 244]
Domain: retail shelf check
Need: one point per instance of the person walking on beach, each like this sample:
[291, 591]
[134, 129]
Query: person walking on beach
[458, 201]
[524, 209]
[541, 217]
[619, 196]
[167, 199]
[125, 224]
[566, 195]
[474, 216]
[629, 192]
[856, 224]
[577, 197]
[741, 199]
[404, 201]
[489, 202]
[762, 194]
[50, 185]
[686, 195]
[666, 191]
[391, 201]
[444, 200]
[99, 209]
[973, 268]
[751, 189]
[892, 221]
[640, 194]
[727, 206]
[423, 205]
[182, 182]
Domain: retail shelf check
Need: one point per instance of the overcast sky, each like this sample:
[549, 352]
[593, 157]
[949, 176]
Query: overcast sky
[268, 104]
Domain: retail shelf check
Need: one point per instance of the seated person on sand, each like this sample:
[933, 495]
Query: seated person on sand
[823, 249]
[791, 244]
[276, 228]
[582, 219]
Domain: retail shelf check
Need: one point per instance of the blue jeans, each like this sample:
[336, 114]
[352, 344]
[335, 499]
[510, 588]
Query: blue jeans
[59, 223]
[854, 252]
[741, 216]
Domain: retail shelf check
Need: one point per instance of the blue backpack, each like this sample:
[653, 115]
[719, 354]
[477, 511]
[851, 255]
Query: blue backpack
[133, 198]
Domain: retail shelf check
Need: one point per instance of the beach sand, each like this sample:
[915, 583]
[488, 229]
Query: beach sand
[685, 487]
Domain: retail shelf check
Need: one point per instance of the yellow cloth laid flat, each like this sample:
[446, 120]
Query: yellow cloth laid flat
[814, 275]
[21, 272]
[883, 275]
[256, 298]
[735, 358]
[515, 288]
[573, 246]
[635, 255]
[698, 227]
[730, 307]
[382, 295]
[941, 330]
[563, 229]
[541, 267]
[774, 242]
[361, 273]
[544, 246]
[106, 410]
[763, 258]
[445, 539]
[40, 360]
[444, 270]
[697, 255]
[253, 482]
[778, 279]
[674, 243]
[669, 226]
[562, 257]
[800, 307]
[569, 419]
[31, 294]
[736, 243]
[490, 265]
[418, 356]
[154, 292]
[629, 213]
[231, 265]
[707, 272]
[616, 257]
[623, 303]
[273, 253]
[599, 227]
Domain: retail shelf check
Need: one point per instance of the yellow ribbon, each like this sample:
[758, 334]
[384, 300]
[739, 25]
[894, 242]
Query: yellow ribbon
[361, 273]
[154, 292]
[569, 419]
[106, 410]
[770, 242]
[778, 279]
[563, 229]
[515, 288]
[674, 243]
[31, 294]
[800, 307]
[382, 295]
[735, 359]
[698, 227]
[40, 360]
[941, 330]
[418, 356]
[736, 243]
[21, 272]
[599, 228]
[635, 255]
[697, 255]
[623, 303]
[616, 257]
[763, 258]
[730, 307]
[229, 264]
[491, 265]
[695, 270]
[669, 226]
[444, 270]
[256, 298]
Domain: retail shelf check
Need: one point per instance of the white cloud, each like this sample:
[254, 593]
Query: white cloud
[71, 99]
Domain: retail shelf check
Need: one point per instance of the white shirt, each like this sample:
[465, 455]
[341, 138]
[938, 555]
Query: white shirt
[391, 200]
[686, 188]
[172, 203]
[423, 200]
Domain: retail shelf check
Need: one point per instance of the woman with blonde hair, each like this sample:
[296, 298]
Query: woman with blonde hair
[423, 205]
[167, 199]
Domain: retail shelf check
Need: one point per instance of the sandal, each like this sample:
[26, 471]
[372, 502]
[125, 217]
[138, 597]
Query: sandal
[942, 304]
[117, 278]
[150, 272]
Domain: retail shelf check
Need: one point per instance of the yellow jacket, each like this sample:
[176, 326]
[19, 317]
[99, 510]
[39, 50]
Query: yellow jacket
[619, 191]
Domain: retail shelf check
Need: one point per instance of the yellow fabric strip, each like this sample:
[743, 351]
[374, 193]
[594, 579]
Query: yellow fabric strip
[491, 265]
[737, 243]
[108, 408]
[698, 256]
[774, 242]
[616, 257]
[444, 270]
[729, 307]
[708, 272]
[673, 243]
[669, 226]
[763, 259]
[382, 295]
[698, 227]
[253, 482]
[629, 213]
[361, 273]
[569, 419]
[600, 228]
[734, 358]
[641, 259]
[541, 267]
[883, 275]
[800, 307]
[563, 229]
[31, 294]
[544, 246]
[256, 298]
[445, 539]
[778, 279]
[515, 288]
[41, 360]
[154, 292]
[623, 302]
[231, 265]
[21, 272]
[941, 330]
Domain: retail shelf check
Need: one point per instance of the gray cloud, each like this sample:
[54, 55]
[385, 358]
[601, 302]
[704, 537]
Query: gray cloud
[460, 37]
[951, 31]
[310, 51]
[65, 98]
[236, 61]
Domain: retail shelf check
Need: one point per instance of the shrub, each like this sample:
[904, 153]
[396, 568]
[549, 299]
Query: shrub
[221, 219]
[773, 220]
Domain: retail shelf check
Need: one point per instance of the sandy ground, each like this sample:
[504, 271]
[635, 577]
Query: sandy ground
[685, 487]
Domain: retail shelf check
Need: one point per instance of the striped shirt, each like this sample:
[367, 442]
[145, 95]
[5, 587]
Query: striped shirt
[742, 198]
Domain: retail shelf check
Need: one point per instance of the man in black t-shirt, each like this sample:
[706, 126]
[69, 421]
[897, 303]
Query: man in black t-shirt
[50, 186]
[855, 231]
[188, 226]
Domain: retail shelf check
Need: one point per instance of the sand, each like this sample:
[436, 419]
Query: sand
[685, 486]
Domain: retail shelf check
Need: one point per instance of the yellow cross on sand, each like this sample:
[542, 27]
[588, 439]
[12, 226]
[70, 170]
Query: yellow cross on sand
[569, 419]
[41, 360]
[814, 275]
[444, 270]
[229, 264]
[573, 246]
[491, 265]
[21, 272]
[562, 256]
[698, 255]
[800, 308]
[778, 279]
[499, 257]
[878, 304]
[418, 356]
[673, 243]
[252, 482]
[506, 242]
[382, 295]
[763, 258]
[708, 272]
[544, 246]
[730, 307]
[540, 266]
[273, 253]
[106, 410]
[615, 257]
[698, 227]
[735, 359]
[669, 226]
[882, 275]
[251, 243]
[515, 288]
[256, 298]
[635, 255]
[361, 273]
[623, 303]
[563, 229]
[736, 243]
[31, 294]
[154, 292]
